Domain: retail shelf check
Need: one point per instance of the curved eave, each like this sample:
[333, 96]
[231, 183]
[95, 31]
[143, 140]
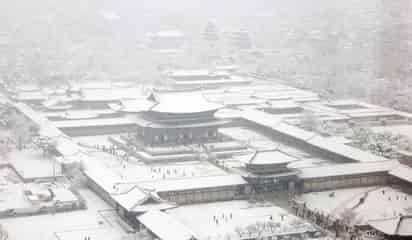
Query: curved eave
[268, 164]
[189, 111]
[194, 125]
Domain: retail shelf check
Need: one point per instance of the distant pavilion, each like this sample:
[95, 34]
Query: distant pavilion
[268, 171]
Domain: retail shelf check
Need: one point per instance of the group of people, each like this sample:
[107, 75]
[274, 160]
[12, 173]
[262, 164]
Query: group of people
[113, 151]
[166, 173]
[320, 219]
[397, 196]
[222, 218]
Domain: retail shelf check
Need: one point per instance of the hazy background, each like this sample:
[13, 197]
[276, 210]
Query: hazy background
[358, 48]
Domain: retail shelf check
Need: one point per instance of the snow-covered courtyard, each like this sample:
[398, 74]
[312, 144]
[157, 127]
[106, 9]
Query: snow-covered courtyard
[19, 199]
[30, 164]
[221, 220]
[69, 225]
[139, 172]
[379, 202]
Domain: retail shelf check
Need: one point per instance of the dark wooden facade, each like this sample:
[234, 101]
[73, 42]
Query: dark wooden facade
[155, 128]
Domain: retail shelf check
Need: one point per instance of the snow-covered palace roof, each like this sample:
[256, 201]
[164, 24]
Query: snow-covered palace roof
[171, 102]
[165, 226]
[194, 183]
[402, 172]
[347, 169]
[183, 102]
[395, 226]
[271, 157]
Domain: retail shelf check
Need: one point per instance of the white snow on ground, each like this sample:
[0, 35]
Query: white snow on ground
[395, 129]
[12, 196]
[102, 140]
[80, 223]
[30, 163]
[12, 192]
[98, 234]
[380, 202]
[200, 217]
[63, 194]
[128, 171]
[322, 202]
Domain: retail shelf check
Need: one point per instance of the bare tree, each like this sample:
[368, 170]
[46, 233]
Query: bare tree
[4, 146]
[383, 144]
[309, 121]
[271, 226]
[260, 229]
[361, 136]
[348, 217]
[251, 228]
[257, 228]
[22, 129]
[75, 171]
[239, 231]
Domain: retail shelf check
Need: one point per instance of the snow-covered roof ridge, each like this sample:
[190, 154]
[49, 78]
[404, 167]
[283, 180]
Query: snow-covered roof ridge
[348, 169]
[399, 225]
[137, 196]
[182, 102]
[197, 72]
[402, 172]
[176, 102]
[194, 183]
[271, 157]
[165, 226]
[310, 137]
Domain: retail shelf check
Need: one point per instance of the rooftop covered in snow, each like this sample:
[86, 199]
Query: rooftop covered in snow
[176, 102]
[95, 122]
[402, 172]
[165, 227]
[271, 158]
[400, 226]
[347, 169]
[194, 183]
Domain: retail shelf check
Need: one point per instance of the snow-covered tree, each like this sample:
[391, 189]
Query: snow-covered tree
[348, 217]
[239, 230]
[4, 146]
[309, 121]
[361, 136]
[22, 129]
